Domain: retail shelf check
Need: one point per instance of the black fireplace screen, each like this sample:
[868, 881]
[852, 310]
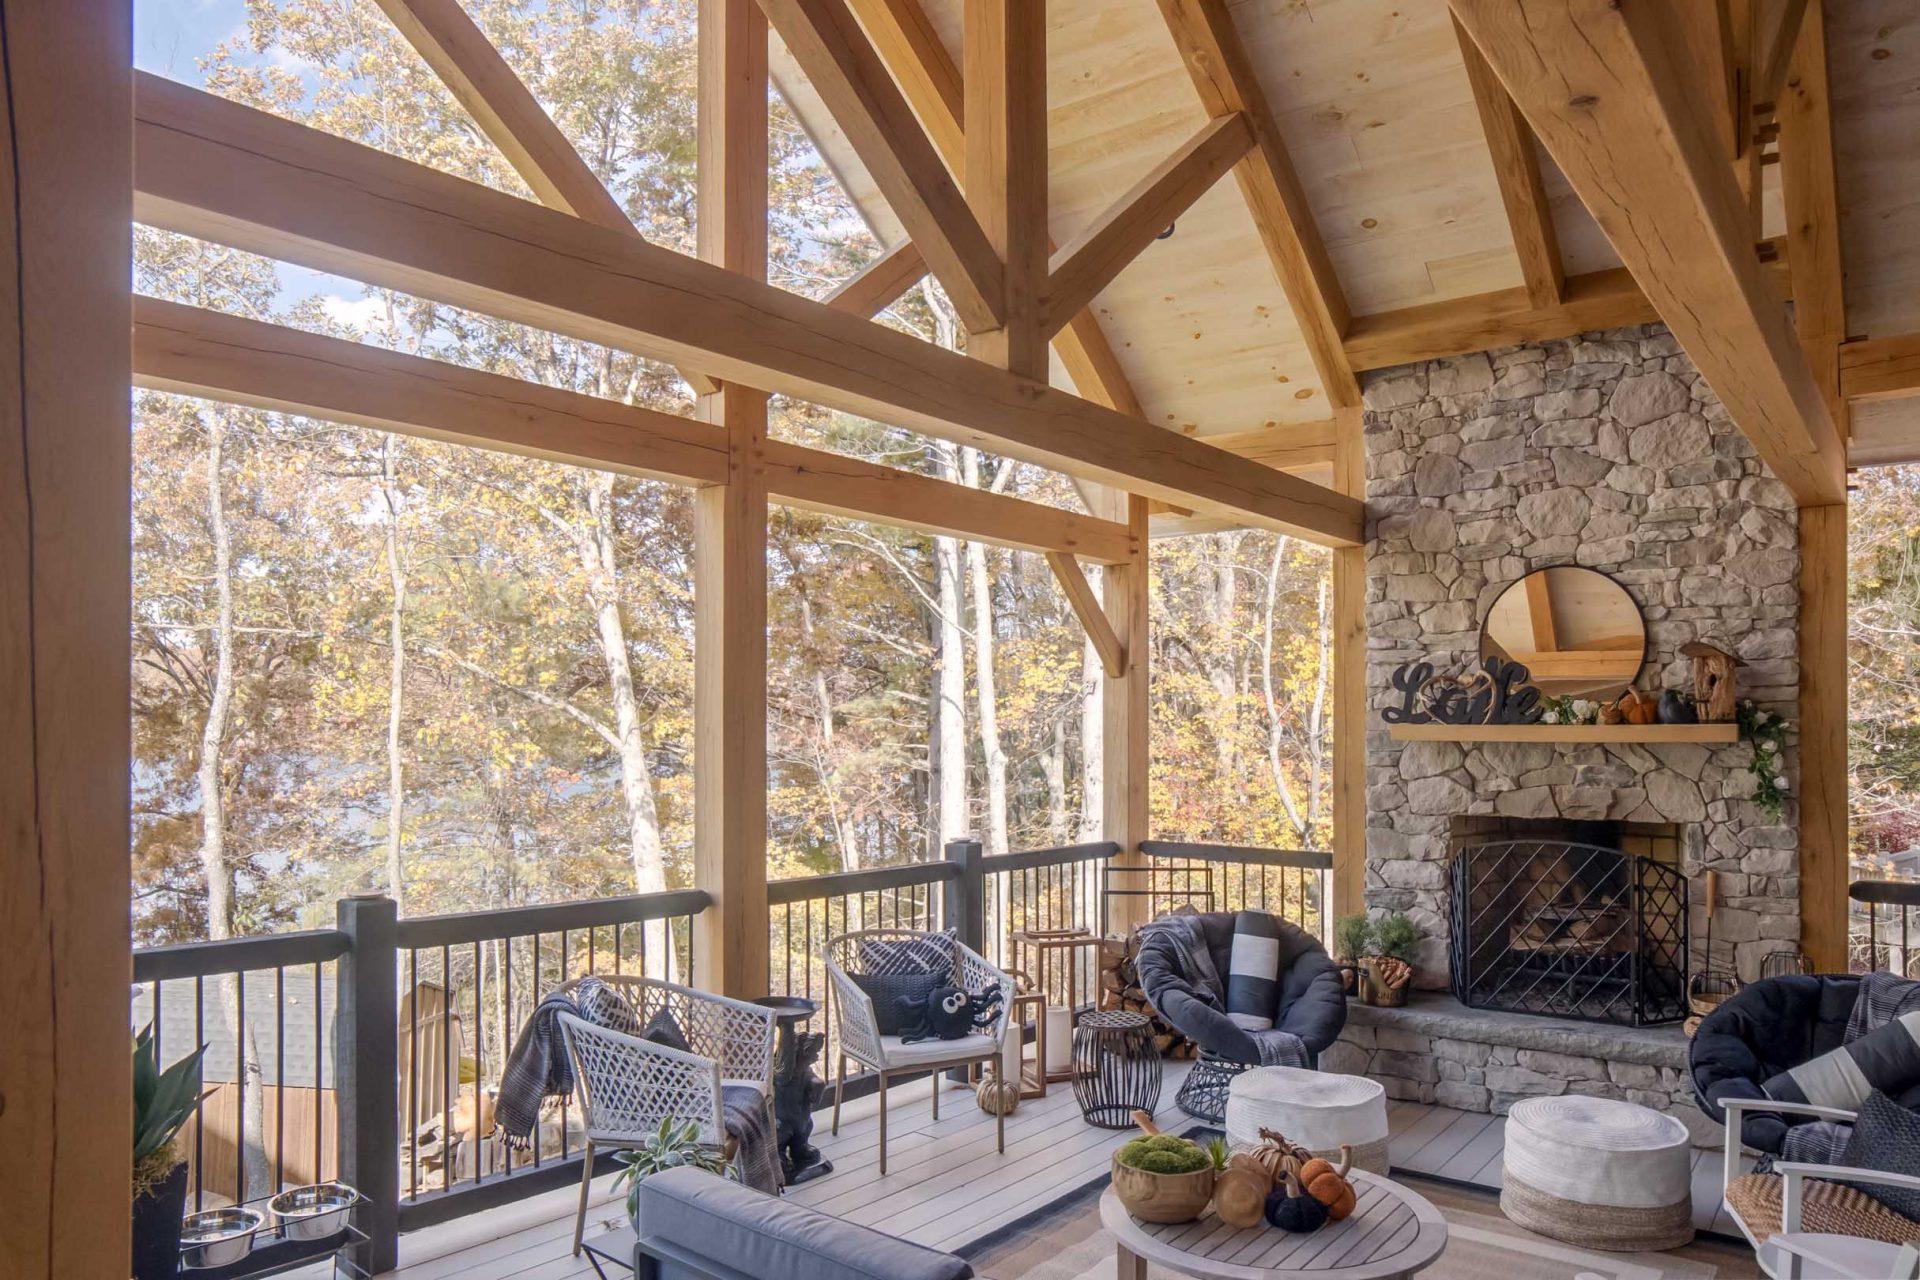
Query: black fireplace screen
[1569, 930]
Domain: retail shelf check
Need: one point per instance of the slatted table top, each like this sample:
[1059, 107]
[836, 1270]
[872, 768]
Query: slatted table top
[1391, 1232]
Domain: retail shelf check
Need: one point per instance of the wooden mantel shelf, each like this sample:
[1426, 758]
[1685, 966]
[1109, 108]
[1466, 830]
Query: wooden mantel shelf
[1653, 733]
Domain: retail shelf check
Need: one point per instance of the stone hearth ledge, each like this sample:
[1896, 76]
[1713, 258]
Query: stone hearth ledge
[1436, 1050]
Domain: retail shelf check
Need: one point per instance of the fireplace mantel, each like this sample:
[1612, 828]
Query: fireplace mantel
[1654, 733]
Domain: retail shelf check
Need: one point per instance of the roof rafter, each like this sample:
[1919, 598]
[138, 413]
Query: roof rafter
[881, 283]
[1809, 189]
[221, 171]
[1516, 167]
[841, 64]
[1090, 261]
[192, 351]
[1602, 87]
[1224, 76]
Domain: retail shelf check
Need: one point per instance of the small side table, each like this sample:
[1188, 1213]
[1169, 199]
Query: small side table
[1115, 1069]
[796, 1089]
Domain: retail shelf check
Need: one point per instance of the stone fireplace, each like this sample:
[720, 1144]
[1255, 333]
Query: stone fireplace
[1607, 451]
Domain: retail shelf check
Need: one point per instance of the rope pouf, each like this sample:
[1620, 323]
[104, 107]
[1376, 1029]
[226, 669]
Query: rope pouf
[1321, 1111]
[1598, 1173]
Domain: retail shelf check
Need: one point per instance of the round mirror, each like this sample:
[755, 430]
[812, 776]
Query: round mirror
[1576, 631]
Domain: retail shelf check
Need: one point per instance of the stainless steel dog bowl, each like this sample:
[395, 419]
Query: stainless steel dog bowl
[311, 1213]
[215, 1237]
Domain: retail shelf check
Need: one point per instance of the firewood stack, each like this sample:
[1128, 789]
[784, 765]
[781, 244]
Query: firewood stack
[1120, 989]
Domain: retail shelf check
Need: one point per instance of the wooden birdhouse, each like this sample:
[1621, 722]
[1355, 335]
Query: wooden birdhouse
[1715, 689]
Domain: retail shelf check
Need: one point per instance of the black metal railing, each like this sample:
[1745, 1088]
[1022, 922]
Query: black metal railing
[1041, 891]
[1294, 884]
[1883, 927]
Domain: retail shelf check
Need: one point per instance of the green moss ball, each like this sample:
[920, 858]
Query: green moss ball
[1164, 1154]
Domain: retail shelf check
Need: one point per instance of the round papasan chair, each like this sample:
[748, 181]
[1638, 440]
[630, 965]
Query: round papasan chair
[1763, 1029]
[1310, 1002]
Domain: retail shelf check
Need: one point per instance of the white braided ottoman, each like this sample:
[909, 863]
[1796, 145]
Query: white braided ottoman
[1319, 1110]
[1598, 1173]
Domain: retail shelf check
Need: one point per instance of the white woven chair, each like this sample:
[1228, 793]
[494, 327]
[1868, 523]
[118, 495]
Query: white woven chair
[627, 1085]
[860, 1037]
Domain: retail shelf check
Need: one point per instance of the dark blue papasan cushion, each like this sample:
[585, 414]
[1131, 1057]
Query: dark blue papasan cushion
[1764, 1029]
[1312, 1001]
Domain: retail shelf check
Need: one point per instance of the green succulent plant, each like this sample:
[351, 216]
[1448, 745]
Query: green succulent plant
[163, 1102]
[1219, 1153]
[1164, 1153]
[675, 1146]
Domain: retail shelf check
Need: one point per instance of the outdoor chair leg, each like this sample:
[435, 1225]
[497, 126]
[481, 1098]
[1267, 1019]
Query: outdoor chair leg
[883, 1124]
[586, 1183]
[1000, 1127]
[936, 1095]
[839, 1092]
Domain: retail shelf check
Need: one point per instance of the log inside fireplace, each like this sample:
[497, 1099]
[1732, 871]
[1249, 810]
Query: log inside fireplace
[1562, 921]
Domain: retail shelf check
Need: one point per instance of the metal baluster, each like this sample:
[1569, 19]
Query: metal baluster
[240, 1087]
[199, 1111]
[319, 1057]
[413, 1072]
[506, 1003]
[479, 1058]
[280, 1073]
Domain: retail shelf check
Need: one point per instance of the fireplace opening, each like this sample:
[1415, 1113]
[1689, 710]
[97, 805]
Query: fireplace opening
[1570, 919]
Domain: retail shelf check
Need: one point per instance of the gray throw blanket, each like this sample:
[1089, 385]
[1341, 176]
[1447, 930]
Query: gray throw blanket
[744, 1110]
[1883, 997]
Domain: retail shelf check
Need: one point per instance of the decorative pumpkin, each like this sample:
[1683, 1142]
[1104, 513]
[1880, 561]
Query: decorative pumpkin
[1329, 1185]
[1250, 1161]
[997, 1097]
[1240, 1195]
[1291, 1209]
[1278, 1156]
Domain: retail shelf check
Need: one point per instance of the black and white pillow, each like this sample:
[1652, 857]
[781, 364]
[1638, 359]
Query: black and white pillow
[1253, 971]
[605, 1007]
[664, 1029]
[926, 953]
[1886, 1137]
[1887, 1059]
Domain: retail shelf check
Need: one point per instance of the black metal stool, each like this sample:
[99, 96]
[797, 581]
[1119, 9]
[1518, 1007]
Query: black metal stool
[1115, 1068]
[1204, 1095]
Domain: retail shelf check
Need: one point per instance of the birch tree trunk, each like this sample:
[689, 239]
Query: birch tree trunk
[845, 833]
[950, 692]
[396, 671]
[215, 863]
[985, 688]
[600, 559]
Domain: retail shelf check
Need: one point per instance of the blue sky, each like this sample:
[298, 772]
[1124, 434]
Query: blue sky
[170, 35]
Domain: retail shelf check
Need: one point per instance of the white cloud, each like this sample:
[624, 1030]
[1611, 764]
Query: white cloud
[357, 313]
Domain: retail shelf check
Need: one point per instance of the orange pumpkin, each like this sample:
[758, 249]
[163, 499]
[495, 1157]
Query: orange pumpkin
[1329, 1185]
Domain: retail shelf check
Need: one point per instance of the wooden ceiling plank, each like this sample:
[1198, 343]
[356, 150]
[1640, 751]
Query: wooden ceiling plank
[1090, 261]
[1004, 72]
[193, 351]
[1224, 77]
[1293, 446]
[513, 120]
[881, 283]
[1086, 607]
[1516, 168]
[931, 81]
[1601, 86]
[1809, 189]
[840, 62]
[1881, 368]
[221, 171]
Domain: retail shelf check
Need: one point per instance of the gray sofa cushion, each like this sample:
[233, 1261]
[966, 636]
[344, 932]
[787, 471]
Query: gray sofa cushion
[743, 1232]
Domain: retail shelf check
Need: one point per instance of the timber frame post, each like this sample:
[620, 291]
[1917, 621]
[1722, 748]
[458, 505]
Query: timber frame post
[730, 530]
[1349, 688]
[1125, 711]
[65, 571]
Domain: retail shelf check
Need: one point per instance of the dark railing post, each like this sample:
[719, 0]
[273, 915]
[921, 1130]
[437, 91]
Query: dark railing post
[964, 900]
[366, 1063]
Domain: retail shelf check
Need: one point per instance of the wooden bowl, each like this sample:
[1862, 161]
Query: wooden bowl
[1162, 1197]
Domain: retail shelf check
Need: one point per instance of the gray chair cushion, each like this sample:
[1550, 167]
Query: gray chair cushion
[1312, 1004]
[743, 1232]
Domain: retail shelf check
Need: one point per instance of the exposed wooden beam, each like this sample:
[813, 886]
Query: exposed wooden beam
[1005, 74]
[1227, 83]
[881, 283]
[215, 169]
[931, 80]
[1606, 299]
[1546, 635]
[507, 112]
[1881, 368]
[1126, 725]
[1705, 34]
[195, 352]
[1285, 447]
[1350, 714]
[840, 62]
[1086, 607]
[1600, 83]
[1809, 189]
[1088, 263]
[1516, 168]
[1773, 68]
[65, 1088]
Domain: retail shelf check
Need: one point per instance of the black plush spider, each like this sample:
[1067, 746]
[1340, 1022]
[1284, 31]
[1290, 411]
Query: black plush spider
[951, 1013]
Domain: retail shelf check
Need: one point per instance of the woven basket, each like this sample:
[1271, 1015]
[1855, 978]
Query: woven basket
[1596, 1226]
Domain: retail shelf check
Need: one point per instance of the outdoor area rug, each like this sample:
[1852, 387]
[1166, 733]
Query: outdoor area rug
[1064, 1241]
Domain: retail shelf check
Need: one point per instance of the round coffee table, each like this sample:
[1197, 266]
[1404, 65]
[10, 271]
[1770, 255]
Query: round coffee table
[1391, 1233]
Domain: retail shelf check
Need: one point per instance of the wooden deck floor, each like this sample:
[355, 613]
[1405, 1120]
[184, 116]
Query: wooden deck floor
[946, 1186]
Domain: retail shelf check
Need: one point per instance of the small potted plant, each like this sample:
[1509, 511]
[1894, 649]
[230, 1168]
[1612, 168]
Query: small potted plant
[1388, 968]
[674, 1146]
[163, 1102]
[1161, 1178]
[1350, 937]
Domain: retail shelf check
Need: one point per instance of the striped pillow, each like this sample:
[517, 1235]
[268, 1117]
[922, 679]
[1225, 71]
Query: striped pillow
[1887, 1059]
[1253, 971]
